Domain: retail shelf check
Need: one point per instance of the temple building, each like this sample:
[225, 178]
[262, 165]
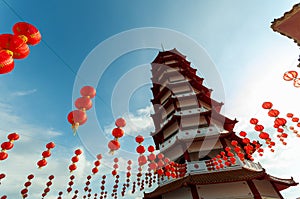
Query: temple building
[190, 130]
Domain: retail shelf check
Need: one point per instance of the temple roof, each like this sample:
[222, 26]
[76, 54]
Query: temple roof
[289, 24]
[281, 183]
[207, 178]
[221, 177]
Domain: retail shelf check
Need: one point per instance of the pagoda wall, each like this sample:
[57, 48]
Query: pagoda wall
[265, 188]
[182, 193]
[225, 191]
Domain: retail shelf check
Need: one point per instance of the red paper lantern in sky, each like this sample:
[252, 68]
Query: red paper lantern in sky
[120, 122]
[273, 113]
[77, 118]
[6, 61]
[83, 103]
[267, 105]
[30, 32]
[88, 91]
[139, 139]
[290, 75]
[117, 132]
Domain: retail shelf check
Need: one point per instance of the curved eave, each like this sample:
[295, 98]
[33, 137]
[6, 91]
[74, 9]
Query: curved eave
[288, 24]
[207, 178]
[281, 183]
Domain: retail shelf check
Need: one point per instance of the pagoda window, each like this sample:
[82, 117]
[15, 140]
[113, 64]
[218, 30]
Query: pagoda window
[166, 56]
[171, 62]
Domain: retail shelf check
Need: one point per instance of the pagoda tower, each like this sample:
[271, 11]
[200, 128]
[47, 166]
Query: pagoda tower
[190, 130]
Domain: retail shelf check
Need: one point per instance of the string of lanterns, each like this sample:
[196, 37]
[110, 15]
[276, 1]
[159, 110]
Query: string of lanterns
[78, 117]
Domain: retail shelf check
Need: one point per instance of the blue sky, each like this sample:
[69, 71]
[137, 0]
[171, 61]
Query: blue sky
[37, 96]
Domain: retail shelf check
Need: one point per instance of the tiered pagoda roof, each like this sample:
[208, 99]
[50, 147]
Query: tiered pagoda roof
[221, 177]
[288, 25]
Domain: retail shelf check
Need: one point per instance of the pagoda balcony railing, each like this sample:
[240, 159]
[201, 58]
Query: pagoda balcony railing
[199, 167]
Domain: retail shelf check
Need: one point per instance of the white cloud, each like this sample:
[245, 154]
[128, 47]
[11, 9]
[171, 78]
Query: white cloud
[139, 123]
[23, 93]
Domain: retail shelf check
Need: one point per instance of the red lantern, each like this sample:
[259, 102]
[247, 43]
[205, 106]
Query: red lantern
[19, 47]
[117, 132]
[289, 115]
[290, 75]
[273, 113]
[139, 139]
[259, 127]
[120, 122]
[83, 103]
[41, 163]
[13, 136]
[280, 121]
[88, 91]
[6, 61]
[243, 133]
[267, 105]
[113, 145]
[297, 82]
[142, 160]
[3, 155]
[72, 167]
[253, 121]
[140, 149]
[7, 146]
[264, 135]
[246, 140]
[28, 31]
[77, 118]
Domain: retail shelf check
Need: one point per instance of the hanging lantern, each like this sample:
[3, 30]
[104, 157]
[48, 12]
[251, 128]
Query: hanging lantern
[258, 127]
[280, 121]
[290, 75]
[28, 31]
[117, 132]
[6, 61]
[264, 135]
[243, 133]
[113, 145]
[296, 82]
[120, 122]
[253, 121]
[273, 113]
[45, 154]
[267, 105]
[14, 43]
[74, 160]
[88, 91]
[139, 139]
[76, 118]
[83, 103]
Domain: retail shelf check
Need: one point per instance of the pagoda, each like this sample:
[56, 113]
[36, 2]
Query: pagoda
[190, 130]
